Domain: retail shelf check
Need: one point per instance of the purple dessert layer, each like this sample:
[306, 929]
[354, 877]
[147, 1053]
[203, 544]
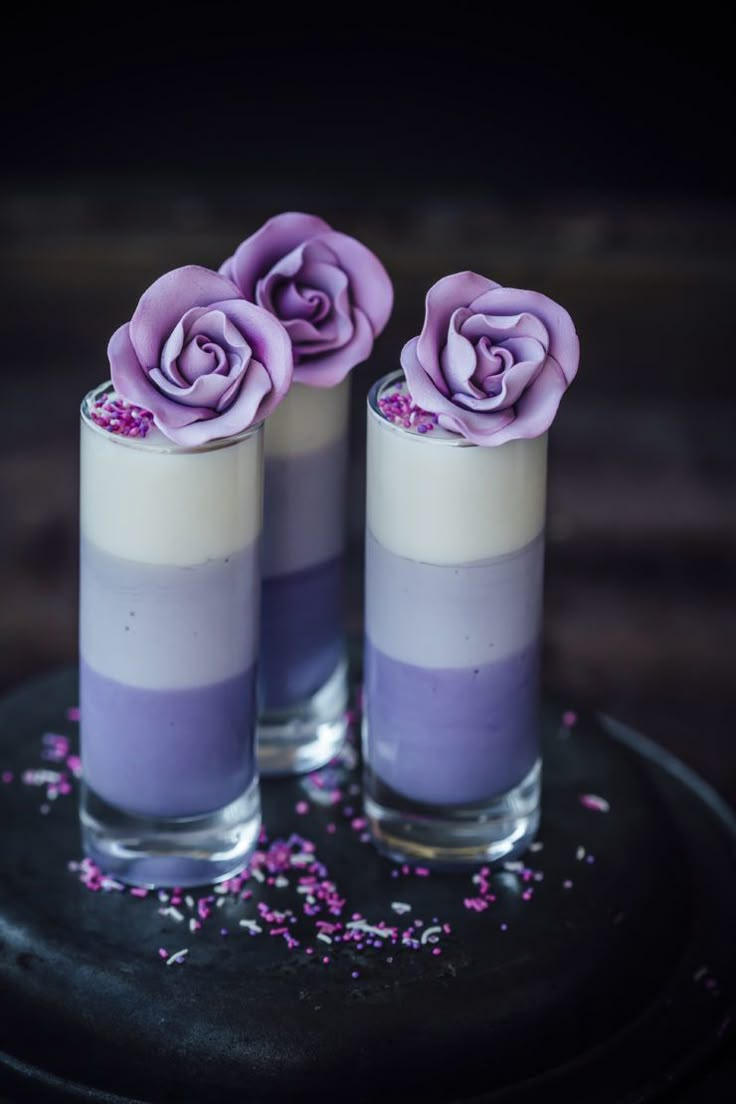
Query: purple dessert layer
[167, 753]
[159, 625]
[451, 736]
[302, 634]
[453, 615]
[304, 509]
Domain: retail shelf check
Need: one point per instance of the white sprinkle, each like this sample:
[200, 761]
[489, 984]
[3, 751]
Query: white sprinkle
[40, 777]
[250, 925]
[401, 907]
[259, 877]
[580, 853]
[220, 889]
[173, 913]
[193, 926]
[178, 956]
[189, 901]
[324, 938]
[110, 883]
[513, 866]
[281, 882]
[363, 925]
[221, 902]
[431, 935]
[536, 846]
[163, 897]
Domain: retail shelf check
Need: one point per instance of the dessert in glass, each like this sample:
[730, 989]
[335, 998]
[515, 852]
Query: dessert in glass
[333, 297]
[457, 446]
[171, 518]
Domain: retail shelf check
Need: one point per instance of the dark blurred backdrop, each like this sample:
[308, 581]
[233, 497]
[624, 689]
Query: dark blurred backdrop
[588, 159]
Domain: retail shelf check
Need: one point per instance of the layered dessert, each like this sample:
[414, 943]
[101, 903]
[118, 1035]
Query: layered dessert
[453, 608]
[302, 617]
[168, 625]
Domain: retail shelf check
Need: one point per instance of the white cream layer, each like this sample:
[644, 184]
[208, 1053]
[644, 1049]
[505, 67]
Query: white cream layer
[441, 500]
[308, 419]
[147, 501]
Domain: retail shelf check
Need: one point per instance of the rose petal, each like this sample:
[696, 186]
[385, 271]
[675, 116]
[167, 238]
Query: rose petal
[504, 327]
[161, 307]
[442, 300]
[536, 409]
[131, 382]
[563, 342]
[327, 369]
[205, 391]
[458, 358]
[267, 339]
[257, 255]
[256, 394]
[371, 289]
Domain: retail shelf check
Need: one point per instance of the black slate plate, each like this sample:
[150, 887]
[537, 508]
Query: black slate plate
[605, 990]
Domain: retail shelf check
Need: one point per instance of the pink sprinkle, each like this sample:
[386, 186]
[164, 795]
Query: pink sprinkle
[359, 823]
[326, 960]
[72, 713]
[421, 871]
[436, 951]
[569, 718]
[163, 953]
[302, 808]
[138, 891]
[331, 828]
[7, 776]
[595, 803]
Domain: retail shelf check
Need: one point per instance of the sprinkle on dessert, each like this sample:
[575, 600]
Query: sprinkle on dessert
[399, 408]
[120, 417]
[595, 803]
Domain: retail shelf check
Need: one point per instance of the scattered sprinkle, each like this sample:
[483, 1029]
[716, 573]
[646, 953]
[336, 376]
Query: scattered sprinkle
[569, 718]
[595, 803]
[123, 418]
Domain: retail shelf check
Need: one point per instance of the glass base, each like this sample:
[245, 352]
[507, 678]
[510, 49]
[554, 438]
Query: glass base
[305, 737]
[172, 851]
[446, 838]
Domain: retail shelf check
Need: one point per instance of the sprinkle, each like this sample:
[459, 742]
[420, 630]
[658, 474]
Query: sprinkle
[355, 974]
[569, 718]
[401, 907]
[431, 935]
[421, 871]
[567, 884]
[7, 776]
[172, 912]
[302, 808]
[72, 713]
[163, 953]
[120, 417]
[138, 891]
[580, 853]
[595, 803]
[178, 957]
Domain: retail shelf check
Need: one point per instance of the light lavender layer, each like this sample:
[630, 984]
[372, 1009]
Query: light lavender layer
[455, 615]
[167, 753]
[167, 627]
[304, 509]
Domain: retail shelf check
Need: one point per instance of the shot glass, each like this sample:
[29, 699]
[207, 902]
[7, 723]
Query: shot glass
[169, 598]
[303, 674]
[454, 566]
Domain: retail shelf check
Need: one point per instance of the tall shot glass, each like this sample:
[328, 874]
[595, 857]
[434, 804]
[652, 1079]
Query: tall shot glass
[303, 671]
[454, 565]
[169, 598]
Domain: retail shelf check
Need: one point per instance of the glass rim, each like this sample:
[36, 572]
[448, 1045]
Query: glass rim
[140, 443]
[457, 441]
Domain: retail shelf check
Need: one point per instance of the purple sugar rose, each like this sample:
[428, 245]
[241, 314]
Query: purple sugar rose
[205, 362]
[333, 296]
[491, 362]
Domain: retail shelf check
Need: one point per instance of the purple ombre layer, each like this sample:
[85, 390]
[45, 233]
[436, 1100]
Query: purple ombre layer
[302, 615]
[167, 681]
[452, 673]
[452, 735]
[302, 637]
[167, 753]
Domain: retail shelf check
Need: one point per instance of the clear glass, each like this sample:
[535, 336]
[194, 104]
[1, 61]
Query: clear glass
[454, 565]
[303, 674]
[169, 595]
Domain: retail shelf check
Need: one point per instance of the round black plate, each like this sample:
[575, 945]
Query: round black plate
[605, 983]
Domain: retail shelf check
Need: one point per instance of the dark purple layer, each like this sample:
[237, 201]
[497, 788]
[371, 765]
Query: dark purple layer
[167, 752]
[302, 634]
[451, 736]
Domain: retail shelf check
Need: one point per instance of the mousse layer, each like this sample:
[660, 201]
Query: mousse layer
[304, 508]
[168, 626]
[454, 735]
[453, 615]
[302, 634]
[167, 752]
